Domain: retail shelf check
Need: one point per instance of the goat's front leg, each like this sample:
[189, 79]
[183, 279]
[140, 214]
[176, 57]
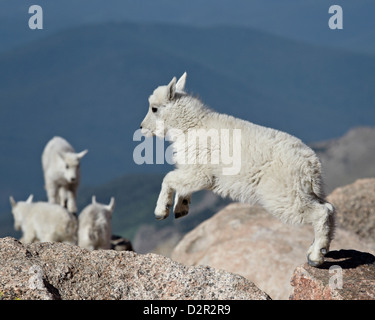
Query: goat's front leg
[63, 198]
[184, 182]
[165, 199]
[181, 205]
[71, 204]
[52, 192]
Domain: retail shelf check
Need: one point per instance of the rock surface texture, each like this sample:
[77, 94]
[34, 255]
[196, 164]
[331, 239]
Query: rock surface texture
[61, 271]
[345, 275]
[355, 206]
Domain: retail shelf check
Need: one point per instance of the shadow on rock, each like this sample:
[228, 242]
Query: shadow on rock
[347, 259]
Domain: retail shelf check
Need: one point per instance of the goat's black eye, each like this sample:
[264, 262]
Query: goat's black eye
[154, 110]
[67, 166]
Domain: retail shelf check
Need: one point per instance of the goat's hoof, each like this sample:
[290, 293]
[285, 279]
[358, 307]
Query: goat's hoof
[161, 214]
[180, 214]
[315, 263]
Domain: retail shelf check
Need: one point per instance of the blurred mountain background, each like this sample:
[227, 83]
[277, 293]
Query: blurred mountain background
[87, 76]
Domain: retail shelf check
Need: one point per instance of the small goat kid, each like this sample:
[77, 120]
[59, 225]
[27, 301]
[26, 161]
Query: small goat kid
[94, 225]
[61, 168]
[275, 169]
[43, 222]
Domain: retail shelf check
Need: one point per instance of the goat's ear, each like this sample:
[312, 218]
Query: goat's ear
[82, 154]
[180, 85]
[171, 89]
[93, 199]
[111, 204]
[30, 198]
[13, 203]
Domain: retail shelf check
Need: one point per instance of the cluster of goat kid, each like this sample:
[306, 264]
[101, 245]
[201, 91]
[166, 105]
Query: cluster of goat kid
[56, 220]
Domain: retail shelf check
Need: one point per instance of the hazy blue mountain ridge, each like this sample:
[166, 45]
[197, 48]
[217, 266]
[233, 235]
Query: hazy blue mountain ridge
[305, 21]
[90, 85]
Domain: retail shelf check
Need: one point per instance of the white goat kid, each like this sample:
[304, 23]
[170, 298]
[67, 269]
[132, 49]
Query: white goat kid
[61, 168]
[270, 167]
[44, 222]
[94, 225]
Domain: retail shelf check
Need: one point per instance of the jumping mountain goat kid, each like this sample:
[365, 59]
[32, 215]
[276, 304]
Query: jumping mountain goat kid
[270, 167]
[44, 222]
[94, 225]
[61, 168]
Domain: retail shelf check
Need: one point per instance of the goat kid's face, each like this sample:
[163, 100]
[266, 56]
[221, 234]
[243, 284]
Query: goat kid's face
[71, 165]
[18, 209]
[17, 218]
[161, 103]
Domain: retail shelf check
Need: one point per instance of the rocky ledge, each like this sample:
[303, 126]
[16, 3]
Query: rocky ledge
[48, 271]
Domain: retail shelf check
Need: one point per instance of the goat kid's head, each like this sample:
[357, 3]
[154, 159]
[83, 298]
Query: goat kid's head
[71, 165]
[18, 209]
[108, 208]
[161, 102]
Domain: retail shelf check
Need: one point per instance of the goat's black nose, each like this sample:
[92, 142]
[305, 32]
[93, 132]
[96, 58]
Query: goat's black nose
[140, 127]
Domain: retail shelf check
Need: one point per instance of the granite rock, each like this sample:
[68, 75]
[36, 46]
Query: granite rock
[345, 275]
[49, 271]
[247, 240]
[355, 207]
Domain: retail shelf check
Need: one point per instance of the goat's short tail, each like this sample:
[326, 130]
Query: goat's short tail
[330, 207]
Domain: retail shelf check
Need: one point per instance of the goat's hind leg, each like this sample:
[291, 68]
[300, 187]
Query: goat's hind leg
[323, 223]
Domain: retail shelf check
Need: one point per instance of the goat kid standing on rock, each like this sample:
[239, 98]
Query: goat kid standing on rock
[61, 168]
[270, 167]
